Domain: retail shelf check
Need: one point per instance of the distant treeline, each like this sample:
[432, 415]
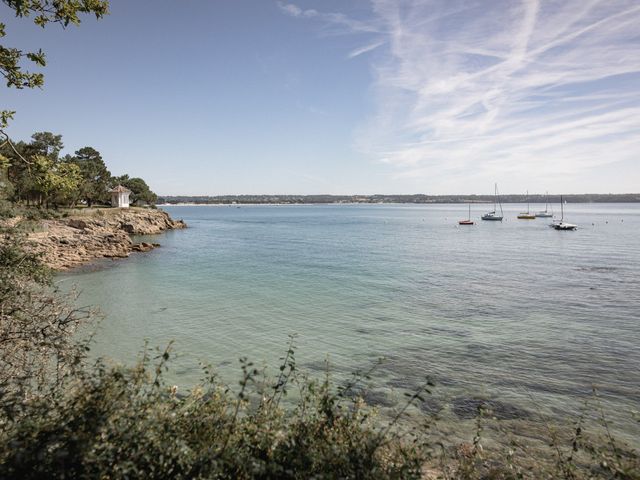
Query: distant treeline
[419, 198]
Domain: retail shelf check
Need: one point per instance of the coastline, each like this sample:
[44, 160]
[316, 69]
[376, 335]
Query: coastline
[88, 235]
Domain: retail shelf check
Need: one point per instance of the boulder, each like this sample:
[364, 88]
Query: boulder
[77, 223]
[143, 247]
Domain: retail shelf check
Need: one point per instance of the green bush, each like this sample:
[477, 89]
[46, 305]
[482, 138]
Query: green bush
[62, 417]
[127, 423]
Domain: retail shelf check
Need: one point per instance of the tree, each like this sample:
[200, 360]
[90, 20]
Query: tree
[45, 179]
[27, 177]
[57, 182]
[46, 144]
[62, 12]
[140, 191]
[94, 173]
[6, 187]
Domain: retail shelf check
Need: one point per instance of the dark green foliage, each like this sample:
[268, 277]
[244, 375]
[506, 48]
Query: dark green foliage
[140, 191]
[17, 171]
[63, 12]
[126, 423]
[18, 266]
[35, 174]
[95, 176]
[37, 344]
[6, 188]
[46, 144]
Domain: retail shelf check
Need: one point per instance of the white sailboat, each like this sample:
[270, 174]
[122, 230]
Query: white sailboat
[493, 215]
[562, 225]
[546, 213]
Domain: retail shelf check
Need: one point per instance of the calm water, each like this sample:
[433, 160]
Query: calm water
[512, 310]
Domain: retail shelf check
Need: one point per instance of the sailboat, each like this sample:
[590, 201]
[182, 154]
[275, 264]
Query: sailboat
[494, 215]
[528, 215]
[467, 221]
[546, 213]
[562, 225]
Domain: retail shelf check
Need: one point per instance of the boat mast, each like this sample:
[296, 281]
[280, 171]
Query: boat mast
[561, 210]
[495, 196]
[469, 211]
[546, 202]
[527, 202]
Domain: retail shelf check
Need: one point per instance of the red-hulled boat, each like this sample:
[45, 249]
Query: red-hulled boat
[468, 221]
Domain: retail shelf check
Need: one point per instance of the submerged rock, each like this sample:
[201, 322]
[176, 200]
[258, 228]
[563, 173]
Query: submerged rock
[143, 247]
[379, 398]
[468, 408]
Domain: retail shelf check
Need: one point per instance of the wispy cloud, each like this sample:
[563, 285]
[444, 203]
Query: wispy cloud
[367, 48]
[485, 89]
[296, 11]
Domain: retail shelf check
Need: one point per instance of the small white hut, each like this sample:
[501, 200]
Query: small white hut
[120, 197]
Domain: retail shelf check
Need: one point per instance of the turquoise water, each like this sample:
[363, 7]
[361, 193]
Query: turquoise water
[513, 311]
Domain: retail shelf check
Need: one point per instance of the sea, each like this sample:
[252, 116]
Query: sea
[531, 319]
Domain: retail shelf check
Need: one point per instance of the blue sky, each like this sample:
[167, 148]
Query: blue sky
[364, 96]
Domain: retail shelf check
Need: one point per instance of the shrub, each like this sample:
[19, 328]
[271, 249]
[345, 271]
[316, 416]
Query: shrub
[61, 417]
[127, 423]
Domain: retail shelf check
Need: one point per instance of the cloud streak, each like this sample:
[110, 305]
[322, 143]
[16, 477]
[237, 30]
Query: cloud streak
[475, 91]
[367, 48]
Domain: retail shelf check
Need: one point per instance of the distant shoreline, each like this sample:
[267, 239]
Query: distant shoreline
[231, 200]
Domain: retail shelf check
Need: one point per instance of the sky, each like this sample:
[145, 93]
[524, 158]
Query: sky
[212, 97]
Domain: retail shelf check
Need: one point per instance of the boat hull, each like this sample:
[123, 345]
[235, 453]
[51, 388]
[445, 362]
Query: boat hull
[544, 215]
[492, 218]
[526, 216]
[466, 222]
[564, 226]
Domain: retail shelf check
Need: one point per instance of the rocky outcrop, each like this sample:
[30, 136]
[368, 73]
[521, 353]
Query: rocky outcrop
[145, 222]
[104, 233]
[144, 246]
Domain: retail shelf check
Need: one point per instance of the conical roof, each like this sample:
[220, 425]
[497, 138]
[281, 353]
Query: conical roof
[119, 189]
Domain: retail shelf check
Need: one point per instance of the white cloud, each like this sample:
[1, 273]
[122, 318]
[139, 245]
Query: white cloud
[367, 48]
[488, 89]
[296, 11]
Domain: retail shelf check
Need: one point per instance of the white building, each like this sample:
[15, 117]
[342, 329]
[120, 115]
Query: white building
[120, 197]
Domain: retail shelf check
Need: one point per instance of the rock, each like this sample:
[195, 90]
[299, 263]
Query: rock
[72, 242]
[143, 247]
[127, 227]
[378, 398]
[430, 405]
[77, 223]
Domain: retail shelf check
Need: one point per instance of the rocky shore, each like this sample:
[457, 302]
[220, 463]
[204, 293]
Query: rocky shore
[102, 233]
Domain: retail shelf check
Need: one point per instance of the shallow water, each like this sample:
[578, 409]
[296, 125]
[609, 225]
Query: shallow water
[513, 311]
